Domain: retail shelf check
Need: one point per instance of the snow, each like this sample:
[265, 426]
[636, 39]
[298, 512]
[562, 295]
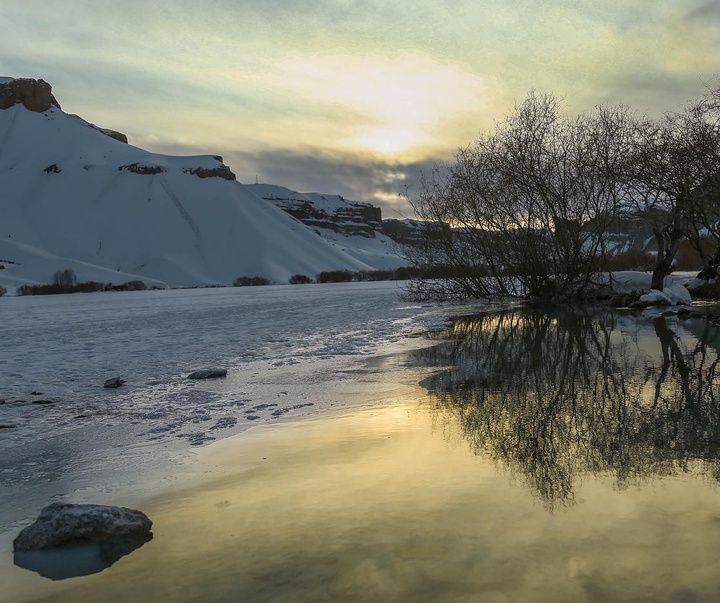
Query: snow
[172, 228]
[287, 349]
[675, 295]
[321, 201]
[379, 251]
[627, 281]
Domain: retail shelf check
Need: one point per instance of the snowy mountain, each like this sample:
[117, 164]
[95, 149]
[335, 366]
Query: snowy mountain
[354, 226]
[73, 195]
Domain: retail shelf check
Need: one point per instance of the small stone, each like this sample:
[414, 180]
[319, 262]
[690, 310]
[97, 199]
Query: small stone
[7, 426]
[36, 393]
[59, 523]
[208, 374]
[42, 402]
[113, 383]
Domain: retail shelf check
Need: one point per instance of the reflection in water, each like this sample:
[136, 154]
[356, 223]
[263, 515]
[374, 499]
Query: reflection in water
[556, 394]
[81, 558]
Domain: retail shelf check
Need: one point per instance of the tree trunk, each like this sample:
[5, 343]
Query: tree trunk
[662, 269]
[667, 244]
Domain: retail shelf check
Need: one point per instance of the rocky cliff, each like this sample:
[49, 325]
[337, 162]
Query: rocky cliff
[332, 212]
[34, 95]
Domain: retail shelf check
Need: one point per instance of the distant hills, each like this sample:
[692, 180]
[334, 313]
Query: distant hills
[76, 196]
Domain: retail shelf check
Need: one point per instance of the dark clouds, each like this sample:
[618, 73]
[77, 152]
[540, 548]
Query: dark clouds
[355, 177]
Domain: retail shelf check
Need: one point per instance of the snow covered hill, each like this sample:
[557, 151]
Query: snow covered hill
[354, 226]
[71, 196]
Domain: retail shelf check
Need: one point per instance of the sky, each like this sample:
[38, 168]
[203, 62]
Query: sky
[352, 97]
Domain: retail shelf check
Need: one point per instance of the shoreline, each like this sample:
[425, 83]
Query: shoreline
[402, 496]
[261, 450]
[290, 355]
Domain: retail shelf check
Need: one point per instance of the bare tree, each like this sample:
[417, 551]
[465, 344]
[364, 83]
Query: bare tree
[701, 123]
[65, 278]
[526, 205]
[672, 176]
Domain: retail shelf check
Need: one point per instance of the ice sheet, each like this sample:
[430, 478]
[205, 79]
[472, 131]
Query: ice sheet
[288, 350]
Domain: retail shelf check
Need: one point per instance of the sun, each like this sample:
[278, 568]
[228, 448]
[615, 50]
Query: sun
[390, 140]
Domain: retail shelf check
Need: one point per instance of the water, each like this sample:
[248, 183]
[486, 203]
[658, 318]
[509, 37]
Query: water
[281, 345]
[558, 395]
[549, 455]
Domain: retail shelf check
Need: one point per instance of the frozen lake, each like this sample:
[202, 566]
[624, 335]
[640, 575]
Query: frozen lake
[278, 343]
[544, 455]
[563, 454]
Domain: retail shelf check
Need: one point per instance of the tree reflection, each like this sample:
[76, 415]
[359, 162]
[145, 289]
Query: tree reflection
[556, 394]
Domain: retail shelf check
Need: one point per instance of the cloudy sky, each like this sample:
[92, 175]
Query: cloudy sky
[350, 96]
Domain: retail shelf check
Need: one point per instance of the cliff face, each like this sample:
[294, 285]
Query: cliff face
[404, 232]
[331, 212]
[34, 95]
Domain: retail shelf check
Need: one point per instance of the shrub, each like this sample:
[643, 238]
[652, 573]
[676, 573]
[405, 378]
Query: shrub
[129, 286]
[61, 284]
[86, 287]
[300, 279]
[250, 281]
[335, 276]
[3, 291]
[39, 289]
[136, 285]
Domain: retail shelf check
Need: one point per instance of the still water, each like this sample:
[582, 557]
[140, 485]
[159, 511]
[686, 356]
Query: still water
[558, 455]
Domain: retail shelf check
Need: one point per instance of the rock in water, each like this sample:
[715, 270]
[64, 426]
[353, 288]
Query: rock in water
[113, 383]
[208, 374]
[60, 523]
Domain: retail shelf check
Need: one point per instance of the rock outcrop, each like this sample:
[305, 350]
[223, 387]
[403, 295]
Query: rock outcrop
[356, 219]
[222, 171]
[119, 136]
[405, 232]
[332, 212]
[60, 523]
[34, 95]
[146, 170]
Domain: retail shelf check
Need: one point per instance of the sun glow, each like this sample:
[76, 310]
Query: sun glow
[391, 140]
[388, 104]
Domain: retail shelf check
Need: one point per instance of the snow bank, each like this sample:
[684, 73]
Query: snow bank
[674, 295]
